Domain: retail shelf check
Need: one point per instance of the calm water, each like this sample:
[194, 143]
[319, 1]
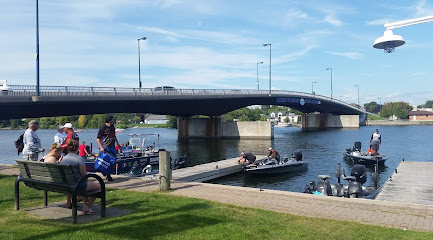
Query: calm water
[322, 149]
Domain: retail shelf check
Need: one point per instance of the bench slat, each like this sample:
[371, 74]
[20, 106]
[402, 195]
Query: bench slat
[51, 172]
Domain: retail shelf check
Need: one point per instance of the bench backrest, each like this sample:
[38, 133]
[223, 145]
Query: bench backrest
[46, 172]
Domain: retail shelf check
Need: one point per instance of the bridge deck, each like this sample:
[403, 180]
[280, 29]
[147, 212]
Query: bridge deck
[411, 184]
[208, 171]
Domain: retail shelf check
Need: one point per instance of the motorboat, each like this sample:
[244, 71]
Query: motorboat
[119, 130]
[357, 156]
[272, 166]
[139, 156]
[354, 188]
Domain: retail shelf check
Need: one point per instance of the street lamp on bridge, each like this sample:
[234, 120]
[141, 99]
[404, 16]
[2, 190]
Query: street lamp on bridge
[37, 49]
[312, 89]
[358, 94]
[258, 74]
[270, 63]
[331, 81]
[139, 65]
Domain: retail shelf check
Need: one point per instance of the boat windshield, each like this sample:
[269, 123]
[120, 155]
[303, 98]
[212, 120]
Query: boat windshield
[149, 143]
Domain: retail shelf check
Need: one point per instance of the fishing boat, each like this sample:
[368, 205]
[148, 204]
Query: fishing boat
[271, 166]
[139, 156]
[355, 155]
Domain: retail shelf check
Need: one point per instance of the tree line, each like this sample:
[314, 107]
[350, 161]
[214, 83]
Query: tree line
[398, 109]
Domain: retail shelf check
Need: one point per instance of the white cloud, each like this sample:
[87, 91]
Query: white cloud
[333, 20]
[351, 55]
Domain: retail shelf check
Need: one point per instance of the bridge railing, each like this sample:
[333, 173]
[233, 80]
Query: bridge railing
[30, 90]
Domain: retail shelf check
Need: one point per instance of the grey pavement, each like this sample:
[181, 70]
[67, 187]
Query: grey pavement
[375, 212]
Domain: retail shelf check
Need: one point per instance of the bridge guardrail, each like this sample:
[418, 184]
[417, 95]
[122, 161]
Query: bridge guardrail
[30, 90]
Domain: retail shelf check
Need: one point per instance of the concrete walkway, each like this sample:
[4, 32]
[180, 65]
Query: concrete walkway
[376, 212]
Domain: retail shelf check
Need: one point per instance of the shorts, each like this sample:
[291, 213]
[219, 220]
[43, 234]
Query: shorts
[82, 187]
[31, 157]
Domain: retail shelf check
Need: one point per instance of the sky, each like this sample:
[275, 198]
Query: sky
[217, 44]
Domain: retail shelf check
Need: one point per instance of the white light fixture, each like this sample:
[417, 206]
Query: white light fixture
[388, 42]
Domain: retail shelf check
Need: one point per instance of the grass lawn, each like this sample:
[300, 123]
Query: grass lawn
[162, 216]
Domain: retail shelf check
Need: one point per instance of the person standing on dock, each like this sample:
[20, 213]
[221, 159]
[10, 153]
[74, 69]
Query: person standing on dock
[32, 143]
[60, 135]
[247, 157]
[274, 154]
[107, 139]
[375, 141]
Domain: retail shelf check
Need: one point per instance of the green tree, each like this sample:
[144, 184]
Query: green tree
[428, 104]
[398, 109]
[47, 122]
[372, 107]
[15, 123]
[172, 122]
[137, 119]
[83, 120]
[244, 118]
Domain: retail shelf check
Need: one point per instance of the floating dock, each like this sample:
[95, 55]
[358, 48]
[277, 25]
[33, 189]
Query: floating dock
[208, 171]
[410, 183]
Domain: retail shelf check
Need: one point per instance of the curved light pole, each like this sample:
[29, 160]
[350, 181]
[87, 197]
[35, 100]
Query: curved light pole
[331, 81]
[358, 95]
[258, 74]
[37, 49]
[270, 63]
[139, 65]
[312, 89]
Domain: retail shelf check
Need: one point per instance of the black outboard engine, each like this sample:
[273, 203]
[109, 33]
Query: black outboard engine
[357, 146]
[297, 156]
[324, 186]
[357, 177]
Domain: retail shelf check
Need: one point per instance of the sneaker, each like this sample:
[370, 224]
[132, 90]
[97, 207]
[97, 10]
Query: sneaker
[109, 179]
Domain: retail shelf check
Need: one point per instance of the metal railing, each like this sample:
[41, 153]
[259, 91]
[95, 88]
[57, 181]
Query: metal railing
[30, 90]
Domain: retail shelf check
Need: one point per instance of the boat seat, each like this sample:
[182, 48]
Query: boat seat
[324, 177]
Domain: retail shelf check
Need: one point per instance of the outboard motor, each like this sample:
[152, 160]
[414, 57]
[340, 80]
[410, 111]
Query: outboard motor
[357, 178]
[324, 186]
[297, 156]
[357, 146]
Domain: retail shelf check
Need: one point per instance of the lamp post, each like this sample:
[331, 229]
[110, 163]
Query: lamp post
[37, 49]
[258, 74]
[331, 81]
[270, 63]
[358, 95]
[312, 89]
[139, 65]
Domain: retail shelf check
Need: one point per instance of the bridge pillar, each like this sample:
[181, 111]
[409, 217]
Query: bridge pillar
[328, 120]
[217, 127]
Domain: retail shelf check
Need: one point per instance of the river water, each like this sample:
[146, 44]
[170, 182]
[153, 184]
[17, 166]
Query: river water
[322, 149]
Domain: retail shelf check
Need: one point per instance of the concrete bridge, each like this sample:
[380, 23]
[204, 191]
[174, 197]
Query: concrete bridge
[20, 102]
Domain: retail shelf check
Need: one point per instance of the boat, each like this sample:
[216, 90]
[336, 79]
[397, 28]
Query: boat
[119, 130]
[355, 155]
[271, 166]
[354, 188]
[139, 157]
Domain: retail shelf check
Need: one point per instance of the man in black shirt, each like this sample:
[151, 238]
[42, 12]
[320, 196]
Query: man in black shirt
[107, 139]
[247, 157]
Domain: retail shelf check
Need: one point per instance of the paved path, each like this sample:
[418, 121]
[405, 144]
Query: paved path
[383, 213]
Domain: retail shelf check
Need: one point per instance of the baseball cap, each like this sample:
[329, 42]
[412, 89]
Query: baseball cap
[68, 125]
[242, 153]
[270, 149]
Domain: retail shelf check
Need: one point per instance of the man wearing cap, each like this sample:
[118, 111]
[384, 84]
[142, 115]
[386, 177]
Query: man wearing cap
[69, 130]
[60, 135]
[375, 141]
[107, 139]
[32, 143]
[247, 157]
[274, 154]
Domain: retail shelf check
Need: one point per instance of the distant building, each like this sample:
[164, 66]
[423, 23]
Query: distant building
[156, 119]
[281, 116]
[420, 115]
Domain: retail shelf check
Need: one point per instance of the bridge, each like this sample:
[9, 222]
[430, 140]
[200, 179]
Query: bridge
[21, 101]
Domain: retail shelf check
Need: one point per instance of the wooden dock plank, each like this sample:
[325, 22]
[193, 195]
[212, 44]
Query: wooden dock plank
[411, 183]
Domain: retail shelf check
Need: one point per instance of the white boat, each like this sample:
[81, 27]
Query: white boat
[119, 130]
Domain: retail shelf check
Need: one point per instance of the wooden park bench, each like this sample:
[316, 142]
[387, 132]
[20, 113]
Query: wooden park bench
[53, 177]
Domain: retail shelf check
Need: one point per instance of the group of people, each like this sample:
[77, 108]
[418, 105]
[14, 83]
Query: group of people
[250, 158]
[66, 151]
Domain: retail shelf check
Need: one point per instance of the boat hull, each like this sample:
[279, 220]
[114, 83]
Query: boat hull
[278, 168]
[365, 159]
